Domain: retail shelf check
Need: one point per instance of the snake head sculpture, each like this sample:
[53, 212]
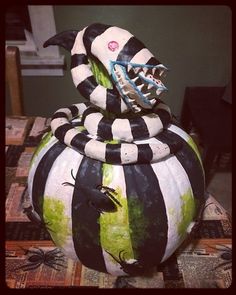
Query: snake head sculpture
[133, 71]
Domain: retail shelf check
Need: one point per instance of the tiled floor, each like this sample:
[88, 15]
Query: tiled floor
[221, 189]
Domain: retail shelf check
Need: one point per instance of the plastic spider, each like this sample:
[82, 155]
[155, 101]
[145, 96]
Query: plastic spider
[53, 258]
[100, 198]
[133, 269]
[226, 254]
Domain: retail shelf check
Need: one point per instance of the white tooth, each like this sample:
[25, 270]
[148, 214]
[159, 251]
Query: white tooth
[153, 71]
[135, 79]
[136, 69]
[161, 73]
[147, 94]
[129, 67]
[150, 86]
[130, 100]
[158, 91]
[145, 70]
[140, 87]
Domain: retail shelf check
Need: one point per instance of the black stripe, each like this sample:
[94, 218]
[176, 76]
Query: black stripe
[87, 86]
[60, 132]
[59, 115]
[91, 33]
[147, 214]
[113, 101]
[79, 141]
[153, 61]
[104, 128]
[165, 117]
[189, 161]
[74, 110]
[78, 59]
[130, 49]
[41, 175]
[88, 111]
[139, 128]
[85, 219]
[113, 153]
[145, 153]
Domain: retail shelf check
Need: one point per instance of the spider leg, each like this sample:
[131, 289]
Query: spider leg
[68, 183]
[71, 172]
[113, 257]
[99, 186]
[28, 251]
[40, 250]
[226, 247]
[54, 264]
[54, 251]
[29, 266]
[222, 264]
[113, 198]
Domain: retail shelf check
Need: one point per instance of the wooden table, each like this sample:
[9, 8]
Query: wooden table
[203, 262]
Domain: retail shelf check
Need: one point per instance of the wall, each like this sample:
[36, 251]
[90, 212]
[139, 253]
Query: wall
[193, 41]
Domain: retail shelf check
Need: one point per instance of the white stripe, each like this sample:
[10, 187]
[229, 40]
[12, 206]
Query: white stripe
[121, 130]
[182, 186]
[54, 190]
[70, 134]
[142, 57]
[96, 150]
[179, 131]
[81, 73]
[153, 123]
[171, 198]
[123, 105]
[91, 122]
[78, 47]
[57, 122]
[99, 96]
[159, 150]
[65, 111]
[99, 47]
[129, 153]
[81, 107]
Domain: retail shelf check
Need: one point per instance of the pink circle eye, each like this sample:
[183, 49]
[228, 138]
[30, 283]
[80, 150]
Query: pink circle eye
[113, 45]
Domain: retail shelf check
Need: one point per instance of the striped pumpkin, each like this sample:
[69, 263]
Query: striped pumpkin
[159, 202]
[117, 185]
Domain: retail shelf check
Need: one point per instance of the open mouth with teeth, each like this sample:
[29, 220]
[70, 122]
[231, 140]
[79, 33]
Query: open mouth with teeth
[138, 84]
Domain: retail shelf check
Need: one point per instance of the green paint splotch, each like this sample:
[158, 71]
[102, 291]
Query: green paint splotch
[58, 222]
[115, 231]
[100, 73]
[194, 147]
[107, 171]
[114, 226]
[188, 209]
[138, 223]
[42, 144]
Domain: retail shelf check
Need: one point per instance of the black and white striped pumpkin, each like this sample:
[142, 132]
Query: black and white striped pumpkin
[119, 194]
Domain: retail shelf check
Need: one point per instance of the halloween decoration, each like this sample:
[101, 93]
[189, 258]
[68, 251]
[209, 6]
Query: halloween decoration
[53, 258]
[117, 184]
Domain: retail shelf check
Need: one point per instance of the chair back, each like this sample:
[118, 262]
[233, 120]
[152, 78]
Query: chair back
[14, 79]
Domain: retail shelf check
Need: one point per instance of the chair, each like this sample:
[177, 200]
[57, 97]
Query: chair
[210, 116]
[13, 79]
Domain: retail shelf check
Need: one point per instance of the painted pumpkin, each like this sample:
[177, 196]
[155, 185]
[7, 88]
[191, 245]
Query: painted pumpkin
[117, 190]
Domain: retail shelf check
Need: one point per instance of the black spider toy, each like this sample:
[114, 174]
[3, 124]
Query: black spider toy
[53, 258]
[100, 198]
